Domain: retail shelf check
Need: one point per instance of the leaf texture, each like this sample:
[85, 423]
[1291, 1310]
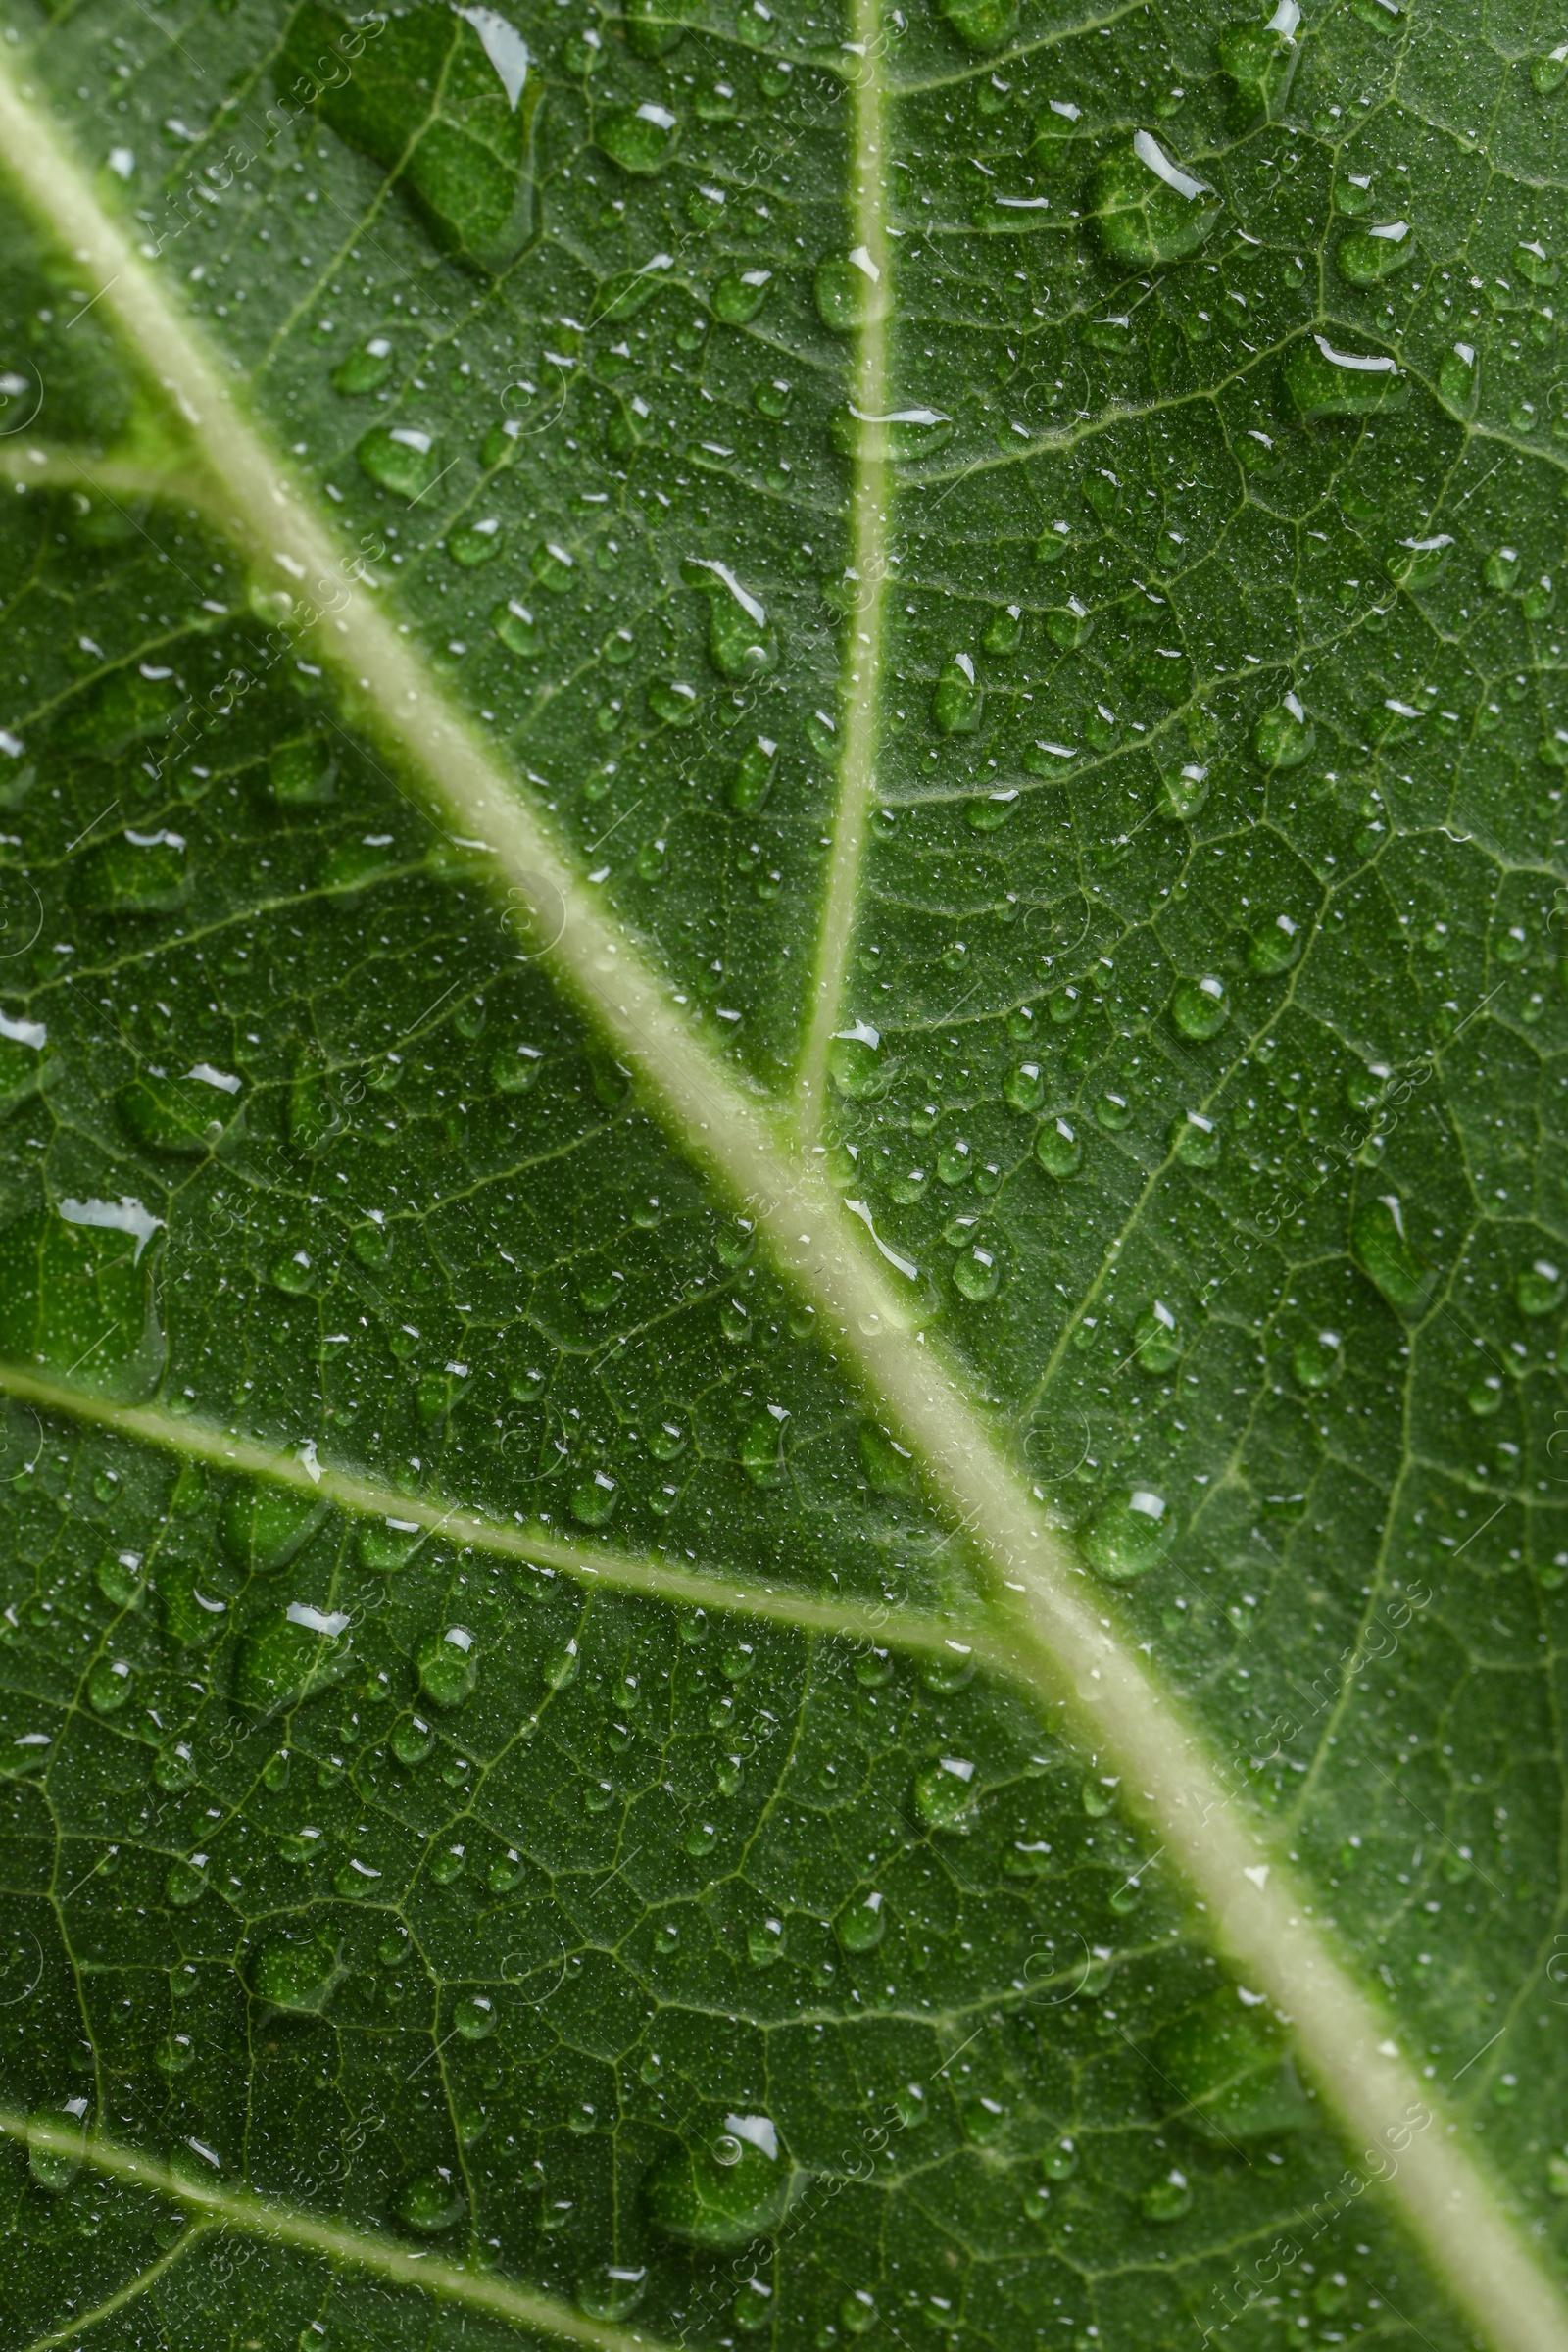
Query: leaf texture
[780, 1040]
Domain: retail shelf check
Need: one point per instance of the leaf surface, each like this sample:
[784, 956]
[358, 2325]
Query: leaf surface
[780, 1261]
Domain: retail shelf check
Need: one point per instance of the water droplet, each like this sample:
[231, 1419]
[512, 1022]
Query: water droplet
[1325, 382]
[1226, 2061]
[554, 566]
[853, 1061]
[751, 779]
[1157, 1340]
[289, 1654]
[1146, 209]
[958, 702]
[1540, 1288]
[612, 2292]
[641, 140]
[386, 1544]
[945, 1796]
[365, 370]
[763, 1449]
[1547, 72]
[296, 1972]
[516, 629]
[449, 1666]
[475, 2017]
[722, 2193]
[1168, 2199]
[674, 701]
[432, 2202]
[1317, 1362]
[594, 1500]
[950, 1670]
[861, 1924]
[740, 294]
[1130, 1533]
[1058, 1149]
[110, 1684]
[1284, 736]
[413, 1740]
[1196, 1140]
[1069, 625]
[1368, 256]
[1183, 795]
[1201, 1008]
[186, 1883]
[56, 2133]
[264, 1527]
[977, 1274]
[1385, 1252]
[1114, 1110]
[1025, 1087]
[1459, 378]
[402, 458]
[742, 641]
[563, 1666]
[137, 875]
[476, 543]
[849, 291]
[1276, 947]
[1060, 2162]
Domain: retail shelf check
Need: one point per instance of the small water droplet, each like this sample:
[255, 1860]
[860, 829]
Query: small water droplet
[1540, 1288]
[1317, 1362]
[401, 458]
[432, 2202]
[861, 1924]
[1284, 736]
[1325, 382]
[1386, 1254]
[1196, 1140]
[295, 1972]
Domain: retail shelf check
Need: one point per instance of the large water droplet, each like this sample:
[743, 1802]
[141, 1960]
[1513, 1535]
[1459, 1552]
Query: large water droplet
[742, 641]
[1367, 256]
[264, 1527]
[1385, 1252]
[1326, 382]
[854, 1061]
[1146, 209]
[1196, 1140]
[1130, 1533]
[1201, 1008]
[861, 1924]
[1283, 736]
[740, 294]
[56, 2132]
[295, 1972]
[641, 140]
[401, 458]
[1156, 1339]
[1057, 1148]
[851, 291]
[944, 1795]
[288, 1654]
[1540, 1288]
[432, 2202]
[612, 2291]
[449, 1666]
[982, 24]
[1227, 2061]
[720, 2192]
[958, 702]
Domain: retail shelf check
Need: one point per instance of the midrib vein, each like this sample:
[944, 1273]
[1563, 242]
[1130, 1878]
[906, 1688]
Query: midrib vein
[532, 1543]
[1043, 1597]
[232, 2206]
[860, 691]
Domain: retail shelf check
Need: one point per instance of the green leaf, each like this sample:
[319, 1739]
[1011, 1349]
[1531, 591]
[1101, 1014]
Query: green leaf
[781, 1263]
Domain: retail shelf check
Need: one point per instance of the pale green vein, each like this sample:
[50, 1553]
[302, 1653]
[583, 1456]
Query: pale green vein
[1044, 1602]
[859, 699]
[230, 2207]
[532, 1543]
